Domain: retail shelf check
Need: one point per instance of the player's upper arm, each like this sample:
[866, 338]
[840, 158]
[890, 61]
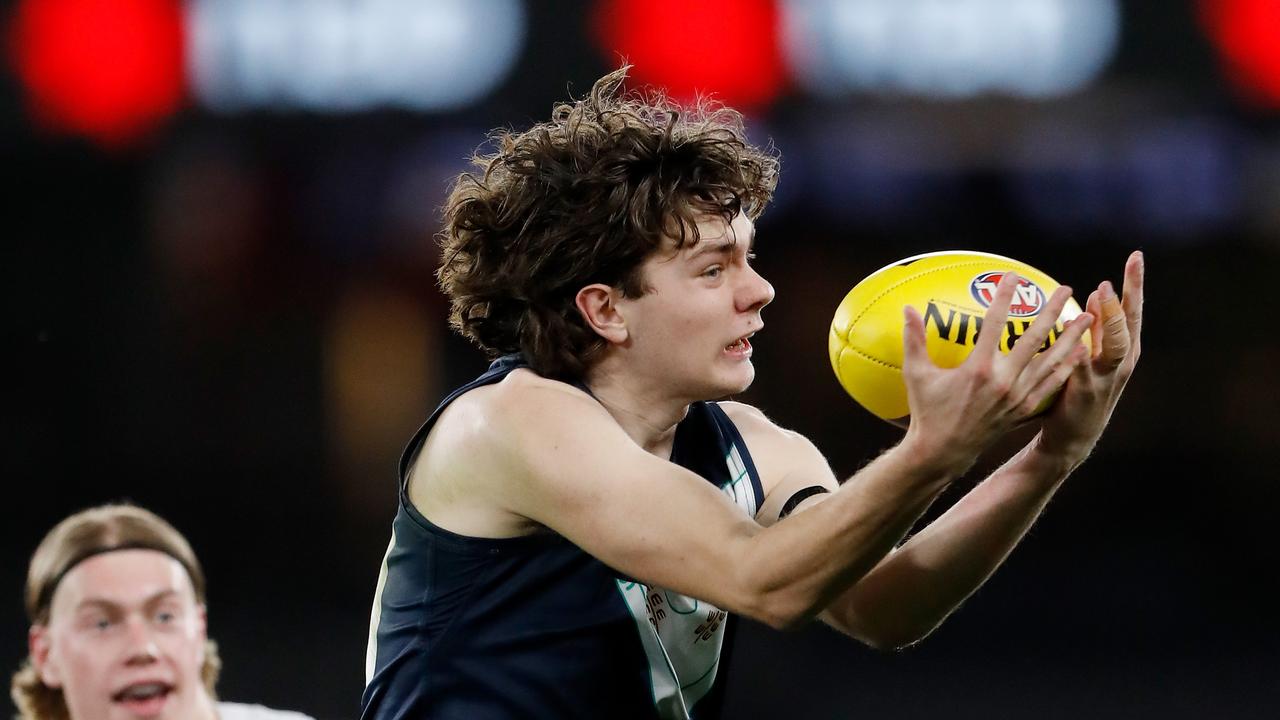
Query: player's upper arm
[567, 464]
[788, 463]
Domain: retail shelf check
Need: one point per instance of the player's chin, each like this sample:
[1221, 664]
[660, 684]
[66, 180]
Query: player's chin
[737, 377]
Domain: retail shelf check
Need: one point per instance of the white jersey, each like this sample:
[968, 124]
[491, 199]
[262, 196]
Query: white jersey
[240, 711]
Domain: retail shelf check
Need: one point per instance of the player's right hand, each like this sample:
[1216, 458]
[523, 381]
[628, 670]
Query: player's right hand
[957, 412]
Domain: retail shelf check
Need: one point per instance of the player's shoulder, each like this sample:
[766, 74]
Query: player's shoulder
[775, 448]
[755, 425]
[778, 453]
[524, 396]
[523, 406]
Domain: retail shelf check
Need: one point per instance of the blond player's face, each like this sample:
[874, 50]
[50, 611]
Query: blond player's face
[125, 638]
[704, 301]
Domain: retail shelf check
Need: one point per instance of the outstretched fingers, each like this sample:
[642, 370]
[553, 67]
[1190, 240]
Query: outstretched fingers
[1067, 350]
[1058, 374]
[1134, 282]
[1094, 307]
[915, 352]
[1115, 328]
[988, 342]
[1034, 338]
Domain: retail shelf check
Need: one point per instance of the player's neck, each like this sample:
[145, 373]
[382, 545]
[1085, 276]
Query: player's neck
[648, 417]
[205, 708]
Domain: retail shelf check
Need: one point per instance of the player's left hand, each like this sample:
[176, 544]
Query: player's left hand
[1077, 420]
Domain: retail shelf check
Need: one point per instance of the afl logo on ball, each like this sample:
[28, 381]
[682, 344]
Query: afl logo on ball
[1028, 298]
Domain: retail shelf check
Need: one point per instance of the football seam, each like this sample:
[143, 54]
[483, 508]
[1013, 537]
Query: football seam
[878, 298]
[875, 360]
[899, 284]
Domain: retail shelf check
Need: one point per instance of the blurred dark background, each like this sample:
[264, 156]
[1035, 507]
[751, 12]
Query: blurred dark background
[218, 301]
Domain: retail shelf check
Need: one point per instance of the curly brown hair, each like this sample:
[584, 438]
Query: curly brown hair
[585, 198]
[87, 533]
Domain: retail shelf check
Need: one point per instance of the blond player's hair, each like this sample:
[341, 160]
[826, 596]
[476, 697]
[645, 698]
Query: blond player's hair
[83, 535]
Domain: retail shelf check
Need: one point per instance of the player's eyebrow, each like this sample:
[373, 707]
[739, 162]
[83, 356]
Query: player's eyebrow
[721, 246]
[107, 603]
[716, 248]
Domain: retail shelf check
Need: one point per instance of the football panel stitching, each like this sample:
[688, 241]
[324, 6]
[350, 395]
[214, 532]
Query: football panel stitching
[904, 281]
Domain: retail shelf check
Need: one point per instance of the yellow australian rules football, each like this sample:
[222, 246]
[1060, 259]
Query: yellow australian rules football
[952, 290]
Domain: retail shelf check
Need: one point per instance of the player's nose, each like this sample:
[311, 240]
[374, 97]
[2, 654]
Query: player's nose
[142, 647]
[756, 292]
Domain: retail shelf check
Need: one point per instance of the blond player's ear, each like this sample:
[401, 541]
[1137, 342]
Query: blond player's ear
[41, 649]
[598, 306]
[202, 632]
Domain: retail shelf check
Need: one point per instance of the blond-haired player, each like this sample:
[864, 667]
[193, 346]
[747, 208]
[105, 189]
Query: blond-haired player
[116, 601]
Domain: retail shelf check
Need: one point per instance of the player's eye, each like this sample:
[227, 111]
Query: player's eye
[713, 271]
[164, 617]
[101, 623]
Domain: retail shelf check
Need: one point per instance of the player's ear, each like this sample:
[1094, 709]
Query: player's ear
[598, 304]
[202, 633]
[202, 621]
[40, 649]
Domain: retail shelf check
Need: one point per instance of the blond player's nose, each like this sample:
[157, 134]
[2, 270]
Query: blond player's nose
[142, 646]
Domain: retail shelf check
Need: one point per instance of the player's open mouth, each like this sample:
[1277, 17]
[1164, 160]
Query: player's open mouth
[741, 346]
[145, 698]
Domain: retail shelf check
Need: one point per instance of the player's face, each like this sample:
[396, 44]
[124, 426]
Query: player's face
[703, 304]
[125, 639]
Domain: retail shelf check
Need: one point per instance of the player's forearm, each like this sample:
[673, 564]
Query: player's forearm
[917, 586]
[797, 567]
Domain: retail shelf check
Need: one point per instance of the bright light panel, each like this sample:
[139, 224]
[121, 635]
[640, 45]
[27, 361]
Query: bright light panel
[949, 48]
[343, 56]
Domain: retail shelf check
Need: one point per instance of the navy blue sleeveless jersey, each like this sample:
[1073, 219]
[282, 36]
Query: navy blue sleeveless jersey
[467, 628]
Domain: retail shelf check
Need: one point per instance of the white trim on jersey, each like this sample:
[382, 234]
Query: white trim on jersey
[682, 637]
[740, 489]
[375, 615]
[667, 698]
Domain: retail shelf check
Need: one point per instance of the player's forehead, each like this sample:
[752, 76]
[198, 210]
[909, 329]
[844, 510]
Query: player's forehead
[123, 578]
[713, 233]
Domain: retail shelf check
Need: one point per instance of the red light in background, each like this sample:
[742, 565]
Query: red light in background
[108, 69]
[728, 48]
[1247, 35]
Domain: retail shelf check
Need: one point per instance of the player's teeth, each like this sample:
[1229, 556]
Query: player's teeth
[142, 692]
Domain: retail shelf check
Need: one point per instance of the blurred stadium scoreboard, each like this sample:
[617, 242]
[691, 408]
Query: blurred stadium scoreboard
[143, 57]
[1040, 92]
